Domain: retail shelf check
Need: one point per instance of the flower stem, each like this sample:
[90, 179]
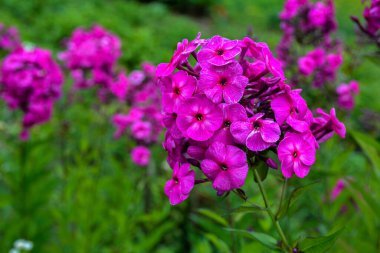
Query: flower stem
[269, 211]
[283, 192]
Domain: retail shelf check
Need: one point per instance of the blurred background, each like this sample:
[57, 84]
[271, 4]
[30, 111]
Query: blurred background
[73, 187]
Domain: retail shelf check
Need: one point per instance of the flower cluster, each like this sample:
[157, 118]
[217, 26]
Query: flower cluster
[91, 57]
[305, 22]
[9, 38]
[231, 107]
[31, 81]
[308, 48]
[346, 94]
[371, 15]
[321, 65]
[143, 120]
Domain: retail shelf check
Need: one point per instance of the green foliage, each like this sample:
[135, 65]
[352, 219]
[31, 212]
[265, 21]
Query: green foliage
[73, 188]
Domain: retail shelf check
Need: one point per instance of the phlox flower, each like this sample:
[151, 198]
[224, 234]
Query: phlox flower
[179, 187]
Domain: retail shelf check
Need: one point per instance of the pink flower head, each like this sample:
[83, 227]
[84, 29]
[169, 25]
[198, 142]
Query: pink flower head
[198, 118]
[31, 81]
[337, 190]
[136, 77]
[141, 130]
[231, 113]
[306, 65]
[291, 8]
[372, 16]
[334, 60]
[319, 14]
[122, 121]
[326, 125]
[291, 108]
[175, 89]
[184, 49]
[9, 38]
[296, 155]
[226, 166]
[346, 94]
[256, 133]
[225, 83]
[179, 187]
[141, 155]
[120, 87]
[218, 51]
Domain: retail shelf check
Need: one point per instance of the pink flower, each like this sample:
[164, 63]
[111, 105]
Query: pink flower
[184, 49]
[346, 94]
[141, 130]
[291, 108]
[296, 155]
[218, 51]
[226, 166]
[231, 113]
[306, 65]
[141, 155]
[225, 83]
[319, 14]
[338, 188]
[324, 126]
[256, 133]
[291, 8]
[175, 89]
[119, 88]
[179, 187]
[198, 118]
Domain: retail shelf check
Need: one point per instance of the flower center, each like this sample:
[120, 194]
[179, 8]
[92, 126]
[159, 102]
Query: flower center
[223, 81]
[223, 167]
[295, 154]
[176, 180]
[227, 123]
[220, 51]
[199, 116]
[177, 90]
[256, 125]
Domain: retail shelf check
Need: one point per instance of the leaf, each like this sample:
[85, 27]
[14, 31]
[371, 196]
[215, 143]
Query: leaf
[219, 244]
[239, 192]
[214, 216]
[253, 208]
[264, 239]
[293, 197]
[319, 244]
[370, 147]
[262, 170]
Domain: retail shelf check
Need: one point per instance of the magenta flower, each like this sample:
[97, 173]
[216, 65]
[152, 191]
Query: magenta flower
[231, 113]
[296, 155]
[226, 166]
[372, 16]
[198, 118]
[218, 51]
[256, 133]
[337, 190]
[175, 89]
[141, 155]
[119, 88]
[179, 187]
[141, 130]
[225, 83]
[184, 49]
[346, 94]
[291, 108]
[306, 65]
[31, 81]
[324, 126]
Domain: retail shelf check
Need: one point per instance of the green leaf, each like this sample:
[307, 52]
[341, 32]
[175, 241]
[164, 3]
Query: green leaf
[370, 147]
[264, 239]
[213, 216]
[218, 243]
[262, 169]
[293, 197]
[319, 244]
[249, 209]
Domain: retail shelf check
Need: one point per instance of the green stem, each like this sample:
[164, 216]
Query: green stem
[271, 214]
[283, 192]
